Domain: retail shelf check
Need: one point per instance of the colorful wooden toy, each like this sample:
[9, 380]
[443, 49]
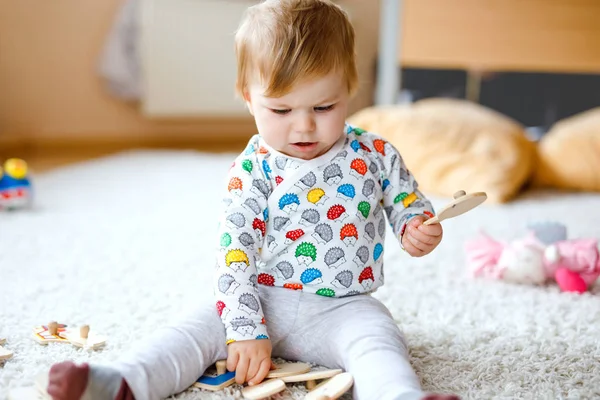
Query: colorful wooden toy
[216, 377]
[49, 333]
[5, 354]
[84, 338]
[312, 377]
[264, 389]
[462, 203]
[288, 369]
[332, 388]
[15, 185]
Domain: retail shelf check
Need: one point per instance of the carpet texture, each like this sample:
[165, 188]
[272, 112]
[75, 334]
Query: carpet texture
[124, 243]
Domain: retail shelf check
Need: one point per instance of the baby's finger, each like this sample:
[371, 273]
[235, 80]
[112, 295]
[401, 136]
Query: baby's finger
[431, 230]
[241, 371]
[411, 249]
[232, 360]
[253, 369]
[422, 236]
[417, 243]
[262, 373]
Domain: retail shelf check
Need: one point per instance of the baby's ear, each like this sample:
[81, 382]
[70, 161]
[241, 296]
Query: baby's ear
[248, 101]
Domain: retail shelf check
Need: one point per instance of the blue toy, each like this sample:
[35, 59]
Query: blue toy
[15, 185]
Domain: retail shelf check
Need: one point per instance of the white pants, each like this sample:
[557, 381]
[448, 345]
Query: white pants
[356, 334]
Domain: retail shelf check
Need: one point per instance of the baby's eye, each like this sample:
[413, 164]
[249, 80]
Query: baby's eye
[324, 108]
[280, 112]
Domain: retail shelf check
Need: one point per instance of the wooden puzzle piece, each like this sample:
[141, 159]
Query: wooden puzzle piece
[50, 333]
[288, 369]
[462, 203]
[83, 338]
[264, 389]
[5, 354]
[332, 388]
[216, 378]
[312, 377]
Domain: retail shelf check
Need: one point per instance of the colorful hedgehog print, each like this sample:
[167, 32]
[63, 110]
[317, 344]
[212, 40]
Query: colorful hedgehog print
[335, 257]
[260, 188]
[364, 148]
[377, 251]
[249, 150]
[369, 189]
[310, 217]
[294, 235]
[227, 284]
[385, 185]
[266, 214]
[284, 269]
[346, 192]
[370, 231]
[263, 150]
[358, 131]
[381, 228]
[246, 239]
[249, 304]
[349, 234]
[379, 146]
[222, 309]
[307, 182]
[406, 199]
[225, 240]
[278, 179]
[323, 233]
[293, 286]
[237, 260]
[306, 253]
[266, 169]
[317, 196]
[332, 174]
[288, 203]
[235, 186]
[363, 210]
[362, 256]
[260, 228]
[355, 145]
[244, 326]
[343, 280]
[311, 276]
[265, 279]
[236, 221]
[326, 292]
[252, 205]
[281, 223]
[337, 213]
[358, 168]
[366, 278]
[247, 166]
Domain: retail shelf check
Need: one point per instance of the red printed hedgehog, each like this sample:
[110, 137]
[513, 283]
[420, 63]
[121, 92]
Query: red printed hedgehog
[220, 307]
[294, 235]
[260, 225]
[293, 286]
[234, 183]
[278, 179]
[266, 279]
[335, 212]
[262, 150]
[348, 230]
[359, 165]
[365, 148]
[366, 274]
[379, 146]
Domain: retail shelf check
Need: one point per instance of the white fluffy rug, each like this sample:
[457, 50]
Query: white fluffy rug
[124, 242]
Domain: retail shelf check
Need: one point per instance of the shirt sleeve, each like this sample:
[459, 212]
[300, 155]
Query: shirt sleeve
[402, 199]
[241, 233]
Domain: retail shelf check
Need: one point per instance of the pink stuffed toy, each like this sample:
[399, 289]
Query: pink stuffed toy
[573, 264]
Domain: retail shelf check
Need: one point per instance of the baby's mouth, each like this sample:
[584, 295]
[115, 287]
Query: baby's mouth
[304, 144]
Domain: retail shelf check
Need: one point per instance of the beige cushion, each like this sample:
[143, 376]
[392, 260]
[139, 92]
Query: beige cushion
[569, 154]
[452, 145]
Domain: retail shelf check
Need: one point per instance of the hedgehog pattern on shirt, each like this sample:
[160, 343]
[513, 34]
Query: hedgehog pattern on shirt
[316, 225]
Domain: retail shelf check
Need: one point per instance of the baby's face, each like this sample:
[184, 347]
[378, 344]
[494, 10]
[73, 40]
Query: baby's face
[305, 122]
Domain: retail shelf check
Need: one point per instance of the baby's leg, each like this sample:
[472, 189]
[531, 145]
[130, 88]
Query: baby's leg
[165, 363]
[359, 335]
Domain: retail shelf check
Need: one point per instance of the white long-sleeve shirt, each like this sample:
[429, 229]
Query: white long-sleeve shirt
[313, 225]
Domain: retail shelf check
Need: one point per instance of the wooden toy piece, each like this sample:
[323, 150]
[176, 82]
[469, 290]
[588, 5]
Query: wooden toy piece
[288, 369]
[83, 338]
[51, 333]
[216, 377]
[332, 388]
[462, 203]
[4, 353]
[264, 389]
[312, 377]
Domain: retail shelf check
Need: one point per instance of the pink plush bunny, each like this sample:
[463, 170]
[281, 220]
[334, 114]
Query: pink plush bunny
[573, 264]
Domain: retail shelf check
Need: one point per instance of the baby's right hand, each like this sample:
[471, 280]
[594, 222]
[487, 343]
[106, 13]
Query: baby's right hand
[250, 359]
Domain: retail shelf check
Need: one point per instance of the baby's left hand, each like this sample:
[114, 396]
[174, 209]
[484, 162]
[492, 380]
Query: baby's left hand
[418, 239]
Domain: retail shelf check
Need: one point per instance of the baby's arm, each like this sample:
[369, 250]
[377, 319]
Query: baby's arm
[241, 231]
[406, 207]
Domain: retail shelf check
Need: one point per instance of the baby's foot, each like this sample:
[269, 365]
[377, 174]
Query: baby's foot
[434, 396]
[68, 381]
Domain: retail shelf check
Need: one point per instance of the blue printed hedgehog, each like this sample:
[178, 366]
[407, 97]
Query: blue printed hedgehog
[266, 168]
[311, 275]
[377, 251]
[289, 202]
[346, 191]
[355, 145]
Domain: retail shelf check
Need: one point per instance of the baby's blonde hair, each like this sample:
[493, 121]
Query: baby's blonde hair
[282, 42]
